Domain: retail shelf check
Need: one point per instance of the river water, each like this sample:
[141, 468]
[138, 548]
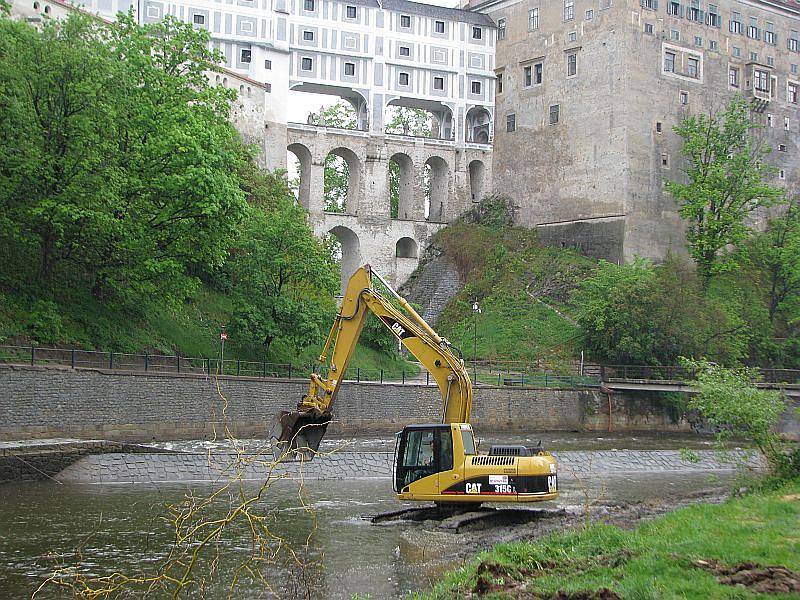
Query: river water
[122, 528]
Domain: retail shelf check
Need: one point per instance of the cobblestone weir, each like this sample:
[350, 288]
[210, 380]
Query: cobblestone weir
[157, 468]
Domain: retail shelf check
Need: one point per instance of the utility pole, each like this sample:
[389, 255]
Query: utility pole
[222, 337]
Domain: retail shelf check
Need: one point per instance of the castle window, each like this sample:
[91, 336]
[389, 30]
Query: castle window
[786, 123]
[754, 56]
[793, 43]
[674, 8]
[713, 17]
[658, 126]
[352, 12]
[308, 5]
[735, 25]
[533, 19]
[477, 33]
[737, 52]
[648, 28]
[572, 64]
[693, 67]
[794, 69]
[733, 77]
[569, 10]
[439, 26]
[683, 98]
[476, 87]
[770, 61]
[267, 64]
[761, 80]
[589, 14]
[694, 13]
[501, 29]
[572, 36]
[649, 4]
[665, 160]
[511, 123]
[438, 83]
[198, 19]
[308, 36]
[349, 69]
[698, 41]
[781, 147]
[782, 174]
[403, 79]
[554, 110]
[713, 45]
[405, 51]
[405, 21]
[769, 120]
[306, 64]
[245, 54]
[753, 32]
[791, 93]
[675, 35]
[499, 83]
[669, 62]
[769, 34]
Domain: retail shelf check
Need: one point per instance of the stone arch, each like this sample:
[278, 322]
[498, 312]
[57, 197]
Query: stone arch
[303, 155]
[477, 175]
[347, 165]
[478, 125]
[350, 252]
[436, 179]
[353, 97]
[441, 117]
[406, 247]
[401, 187]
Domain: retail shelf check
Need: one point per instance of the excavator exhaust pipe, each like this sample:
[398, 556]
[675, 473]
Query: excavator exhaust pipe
[297, 435]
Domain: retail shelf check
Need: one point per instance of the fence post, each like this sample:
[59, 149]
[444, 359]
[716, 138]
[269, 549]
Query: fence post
[178, 357]
[72, 358]
[208, 364]
[111, 360]
[146, 361]
[523, 380]
[602, 372]
[238, 366]
[33, 355]
[290, 370]
[403, 371]
[498, 379]
[427, 377]
[263, 369]
[381, 375]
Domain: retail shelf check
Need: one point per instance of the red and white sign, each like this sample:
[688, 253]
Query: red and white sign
[223, 336]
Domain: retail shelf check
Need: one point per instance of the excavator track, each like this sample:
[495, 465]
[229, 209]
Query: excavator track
[463, 518]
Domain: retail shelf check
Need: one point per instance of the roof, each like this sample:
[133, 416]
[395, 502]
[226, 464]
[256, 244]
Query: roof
[441, 12]
[429, 10]
[792, 5]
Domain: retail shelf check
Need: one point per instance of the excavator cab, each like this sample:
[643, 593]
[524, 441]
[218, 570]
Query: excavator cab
[422, 451]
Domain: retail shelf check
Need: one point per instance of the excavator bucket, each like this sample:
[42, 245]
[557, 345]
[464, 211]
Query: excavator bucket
[297, 435]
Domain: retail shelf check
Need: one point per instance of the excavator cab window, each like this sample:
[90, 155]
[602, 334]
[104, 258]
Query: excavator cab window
[423, 451]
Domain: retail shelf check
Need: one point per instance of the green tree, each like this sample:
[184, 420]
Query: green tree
[284, 278]
[776, 254]
[640, 314]
[726, 171]
[119, 160]
[731, 401]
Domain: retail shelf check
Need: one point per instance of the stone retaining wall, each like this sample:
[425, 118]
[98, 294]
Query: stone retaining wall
[35, 460]
[217, 467]
[93, 403]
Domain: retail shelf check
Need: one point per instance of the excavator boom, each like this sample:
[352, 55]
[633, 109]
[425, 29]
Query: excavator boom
[297, 434]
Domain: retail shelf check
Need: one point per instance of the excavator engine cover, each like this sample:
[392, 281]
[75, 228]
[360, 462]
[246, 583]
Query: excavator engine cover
[297, 435]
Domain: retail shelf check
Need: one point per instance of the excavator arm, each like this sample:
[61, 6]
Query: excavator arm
[299, 433]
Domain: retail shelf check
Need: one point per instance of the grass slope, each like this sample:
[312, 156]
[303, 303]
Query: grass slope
[655, 560]
[523, 291]
[74, 318]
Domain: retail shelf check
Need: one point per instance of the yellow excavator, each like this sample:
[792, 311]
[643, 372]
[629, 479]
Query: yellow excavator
[433, 462]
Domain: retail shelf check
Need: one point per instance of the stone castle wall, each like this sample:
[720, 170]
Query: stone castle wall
[38, 402]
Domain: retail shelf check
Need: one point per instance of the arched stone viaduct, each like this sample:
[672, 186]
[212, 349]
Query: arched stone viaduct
[367, 230]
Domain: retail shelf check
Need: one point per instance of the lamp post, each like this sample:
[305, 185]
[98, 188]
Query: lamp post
[476, 310]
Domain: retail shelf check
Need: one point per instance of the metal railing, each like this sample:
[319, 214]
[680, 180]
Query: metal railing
[482, 372]
[680, 373]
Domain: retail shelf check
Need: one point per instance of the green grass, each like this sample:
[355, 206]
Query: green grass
[653, 561]
[76, 319]
[503, 267]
